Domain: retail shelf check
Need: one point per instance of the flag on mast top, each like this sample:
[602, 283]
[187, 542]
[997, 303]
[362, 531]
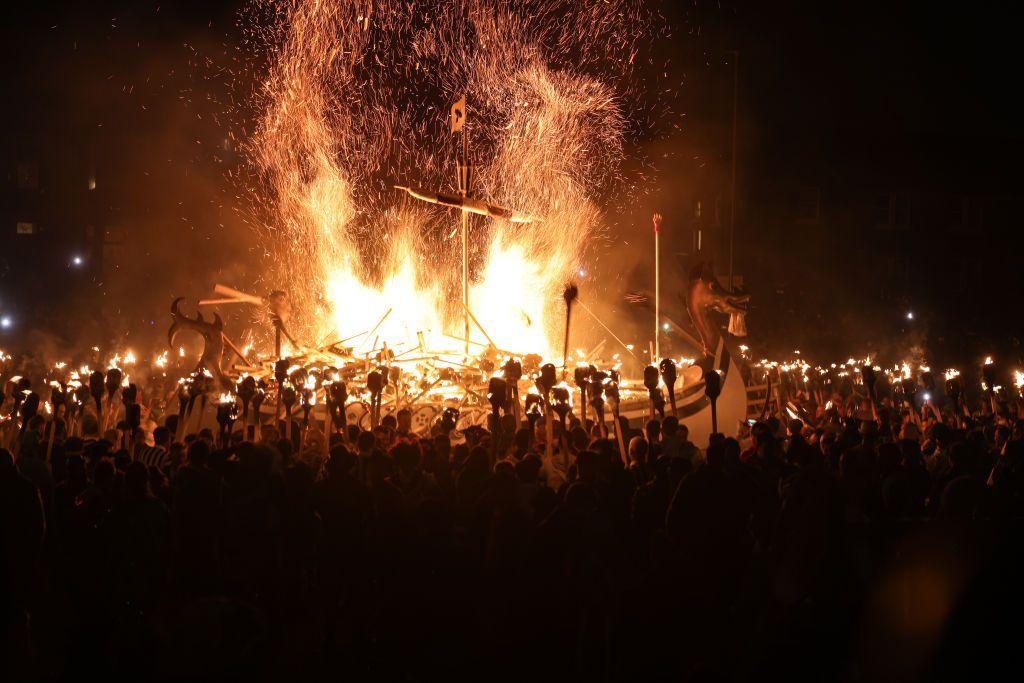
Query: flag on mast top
[459, 114]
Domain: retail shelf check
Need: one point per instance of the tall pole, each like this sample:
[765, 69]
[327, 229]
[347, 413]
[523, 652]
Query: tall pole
[732, 200]
[656, 220]
[465, 277]
[459, 114]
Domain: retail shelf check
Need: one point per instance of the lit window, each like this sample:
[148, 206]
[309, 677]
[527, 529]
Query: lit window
[26, 228]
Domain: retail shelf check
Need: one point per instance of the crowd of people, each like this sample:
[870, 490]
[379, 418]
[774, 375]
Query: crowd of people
[854, 544]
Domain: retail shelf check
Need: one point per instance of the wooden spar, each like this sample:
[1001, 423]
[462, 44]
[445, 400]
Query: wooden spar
[479, 326]
[606, 328]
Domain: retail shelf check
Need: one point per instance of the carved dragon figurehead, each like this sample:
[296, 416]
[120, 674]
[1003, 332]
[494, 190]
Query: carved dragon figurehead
[704, 294]
[213, 339]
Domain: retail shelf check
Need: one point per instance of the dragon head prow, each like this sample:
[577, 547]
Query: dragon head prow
[706, 293]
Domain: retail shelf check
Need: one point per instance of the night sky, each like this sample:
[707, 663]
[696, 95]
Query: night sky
[854, 102]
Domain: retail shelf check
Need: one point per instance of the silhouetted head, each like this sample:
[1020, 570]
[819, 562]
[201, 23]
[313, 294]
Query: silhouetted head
[581, 498]
[341, 460]
[366, 443]
[199, 453]
[136, 481]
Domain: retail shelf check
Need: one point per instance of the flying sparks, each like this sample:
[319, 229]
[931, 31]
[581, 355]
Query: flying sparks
[356, 100]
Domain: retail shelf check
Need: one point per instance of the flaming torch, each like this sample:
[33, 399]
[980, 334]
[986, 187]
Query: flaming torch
[571, 293]
[96, 389]
[867, 373]
[928, 382]
[113, 383]
[184, 401]
[227, 414]
[82, 396]
[668, 375]
[280, 375]
[308, 399]
[712, 388]
[954, 387]
[375, 383]
[545, 383]
[288, 397]
[257, 403]
[58, 398]
[29, 409]
[561, 403]
[132, 413]
[337, 395]
[533, 409]
[246, 390]
[582, 378]
[597, 399]
[513, 370]
[988, 374]
[908, 385]
[497, 394]
[651, 378]
[612, 390]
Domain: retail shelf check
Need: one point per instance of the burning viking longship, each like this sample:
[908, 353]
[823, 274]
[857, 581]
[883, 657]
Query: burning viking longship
[441, 384]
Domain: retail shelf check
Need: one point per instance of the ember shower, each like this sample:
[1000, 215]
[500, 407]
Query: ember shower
[357, 99]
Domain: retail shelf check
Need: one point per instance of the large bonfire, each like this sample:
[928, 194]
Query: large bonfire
[357, 100]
